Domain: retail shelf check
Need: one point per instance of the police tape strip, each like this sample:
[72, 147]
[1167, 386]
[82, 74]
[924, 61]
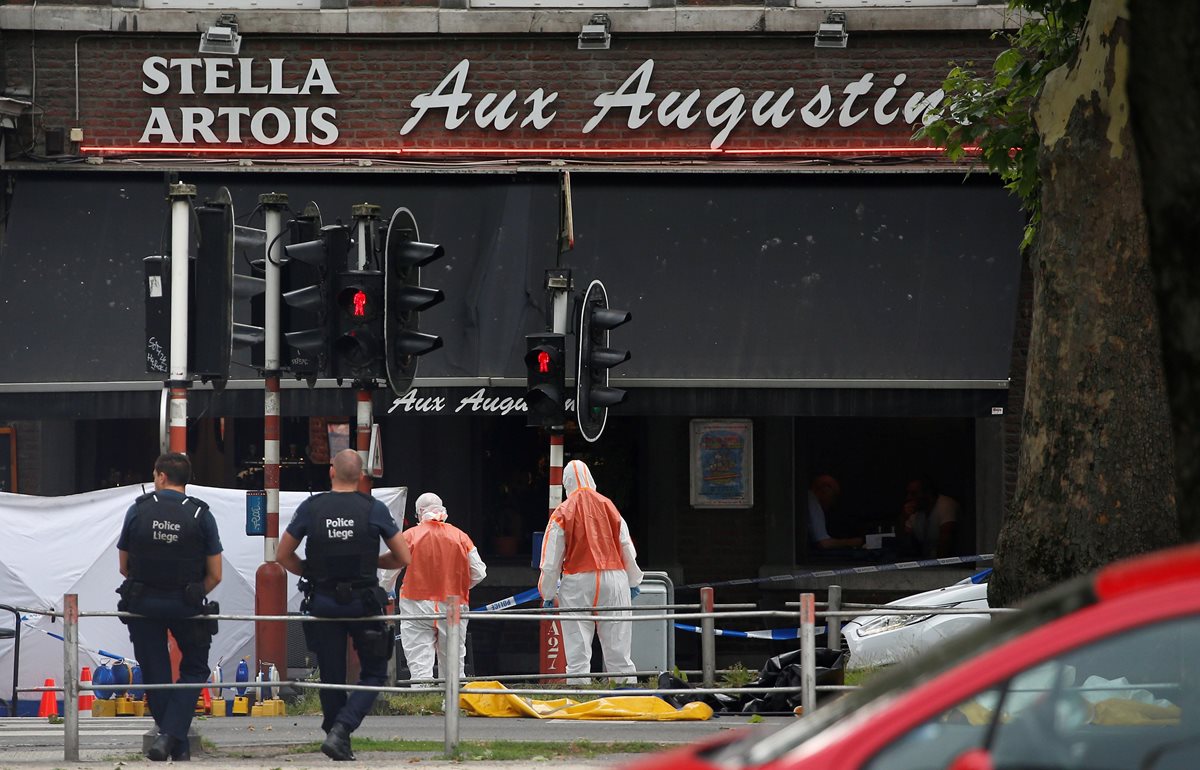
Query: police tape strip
[864, 570]
[769, 633]
[512, 601]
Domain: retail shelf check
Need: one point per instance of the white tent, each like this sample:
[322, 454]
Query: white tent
[53, 546]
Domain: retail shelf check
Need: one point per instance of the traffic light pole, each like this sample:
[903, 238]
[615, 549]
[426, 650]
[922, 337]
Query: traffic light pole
[270, 580]
[561, 298]
[363, 215]
[177, 384]
[362, 431]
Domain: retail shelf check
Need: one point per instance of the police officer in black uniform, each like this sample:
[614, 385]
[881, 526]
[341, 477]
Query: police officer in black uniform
[344, 528]
[170, 554]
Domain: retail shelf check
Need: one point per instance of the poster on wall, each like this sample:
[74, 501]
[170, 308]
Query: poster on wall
[722, 464]
[339, 437]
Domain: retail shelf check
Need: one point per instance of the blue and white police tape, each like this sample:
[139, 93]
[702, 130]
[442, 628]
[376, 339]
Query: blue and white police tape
[768, 633]
[512, 601]
[864, 570]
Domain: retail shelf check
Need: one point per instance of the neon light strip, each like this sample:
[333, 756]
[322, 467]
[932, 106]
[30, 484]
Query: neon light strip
[516, 151]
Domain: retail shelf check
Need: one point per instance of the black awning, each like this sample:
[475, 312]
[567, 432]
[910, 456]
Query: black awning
[506, 402]
[787, 277]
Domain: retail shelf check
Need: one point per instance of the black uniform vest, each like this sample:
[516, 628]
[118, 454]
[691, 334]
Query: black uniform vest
[166, 544]
[341, 547]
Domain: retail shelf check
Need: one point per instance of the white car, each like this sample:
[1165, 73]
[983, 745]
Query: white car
[880, 640]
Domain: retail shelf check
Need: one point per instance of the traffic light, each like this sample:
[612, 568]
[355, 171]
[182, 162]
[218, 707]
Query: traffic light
[358, 325]
[593, 396]
[545, 380]
[314, 256]
[210, 309]
[404, 256]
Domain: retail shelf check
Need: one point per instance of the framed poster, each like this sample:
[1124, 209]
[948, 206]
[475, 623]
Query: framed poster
[339, 437]
[722, 455]
[8, 460]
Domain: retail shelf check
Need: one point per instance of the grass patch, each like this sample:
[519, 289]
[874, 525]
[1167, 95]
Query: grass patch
[737, 675]
[425, 703]
[859, 676]
[495, 750]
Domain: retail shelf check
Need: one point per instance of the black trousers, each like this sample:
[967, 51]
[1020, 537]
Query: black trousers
[172, 709]
[327, 640]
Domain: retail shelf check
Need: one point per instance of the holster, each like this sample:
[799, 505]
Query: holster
[375, 600]
[130, 592]
[211, 608]
[306, 588]
[378, 641]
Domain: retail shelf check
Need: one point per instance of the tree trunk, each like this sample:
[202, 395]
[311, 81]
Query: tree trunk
[1094, 474]
[1164, 85]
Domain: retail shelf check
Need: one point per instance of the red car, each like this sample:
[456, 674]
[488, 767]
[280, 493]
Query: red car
[1101, 673]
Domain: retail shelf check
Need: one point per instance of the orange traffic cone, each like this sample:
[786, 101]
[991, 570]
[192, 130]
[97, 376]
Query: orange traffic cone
[207, 700]
[49, 704]
[85, 696]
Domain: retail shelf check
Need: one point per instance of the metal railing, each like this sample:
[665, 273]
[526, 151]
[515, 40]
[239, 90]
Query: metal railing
[452, 678]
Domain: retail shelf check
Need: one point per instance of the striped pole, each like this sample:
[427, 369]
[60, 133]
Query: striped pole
[180, 196]
[270, 580]
[556, 468]
[362, 431]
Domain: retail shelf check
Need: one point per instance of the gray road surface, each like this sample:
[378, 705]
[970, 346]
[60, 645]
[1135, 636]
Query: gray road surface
[256, 743]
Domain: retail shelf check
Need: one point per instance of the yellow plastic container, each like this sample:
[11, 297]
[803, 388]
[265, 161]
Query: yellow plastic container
[257, 710]
[104, 708]
[218, 707]
[127, 707]
[241, 705]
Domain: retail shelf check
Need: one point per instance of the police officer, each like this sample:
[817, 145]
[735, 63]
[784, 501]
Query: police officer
[344, 528]
[170, 555]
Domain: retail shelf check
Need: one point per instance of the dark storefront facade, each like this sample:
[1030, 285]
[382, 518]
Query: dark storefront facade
[794, 263]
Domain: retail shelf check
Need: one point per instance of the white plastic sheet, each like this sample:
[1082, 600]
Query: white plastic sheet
[53, 546]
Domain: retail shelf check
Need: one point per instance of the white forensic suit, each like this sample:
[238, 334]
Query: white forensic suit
[588, 560]
[444, 563]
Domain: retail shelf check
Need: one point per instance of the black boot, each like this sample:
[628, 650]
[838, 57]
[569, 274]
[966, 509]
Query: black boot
[162, 748]
[182, 752]
[337, 744]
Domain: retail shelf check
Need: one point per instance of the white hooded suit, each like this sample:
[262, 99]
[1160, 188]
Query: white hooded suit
[588, 560]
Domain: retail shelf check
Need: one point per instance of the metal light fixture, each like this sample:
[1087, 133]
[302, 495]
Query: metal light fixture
[222, 37]
[832, 32]
[595, 35]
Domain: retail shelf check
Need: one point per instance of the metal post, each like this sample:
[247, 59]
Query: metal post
[71, 677]
[451, 672]
[270, 580]
[362, 431]
[833, 625]
[559, 286]
[177, 383]
[808, 654]
[708, 640]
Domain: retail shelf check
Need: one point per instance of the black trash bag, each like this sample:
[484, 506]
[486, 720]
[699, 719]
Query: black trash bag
[718, 702]
[784, 671]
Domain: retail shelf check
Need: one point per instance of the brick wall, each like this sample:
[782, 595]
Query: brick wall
[377, 79]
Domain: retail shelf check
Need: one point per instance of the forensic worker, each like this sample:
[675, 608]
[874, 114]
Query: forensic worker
[344, 528]
[588, 560]
[444, 563]
[170, 555]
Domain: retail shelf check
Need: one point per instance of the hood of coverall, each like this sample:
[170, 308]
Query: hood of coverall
[429, 507]
[577, 476]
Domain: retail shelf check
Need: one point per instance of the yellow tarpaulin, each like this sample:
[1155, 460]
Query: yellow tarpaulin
[646, 708]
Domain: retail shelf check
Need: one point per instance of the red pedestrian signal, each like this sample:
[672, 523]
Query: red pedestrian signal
[545, 380]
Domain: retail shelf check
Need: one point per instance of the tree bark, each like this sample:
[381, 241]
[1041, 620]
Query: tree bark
[1165, 98]
[1094, 474]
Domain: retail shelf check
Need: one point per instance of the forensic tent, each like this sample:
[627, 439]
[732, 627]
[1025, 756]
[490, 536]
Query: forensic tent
[53, 546]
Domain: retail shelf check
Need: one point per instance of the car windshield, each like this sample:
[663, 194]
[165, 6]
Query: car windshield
[759, 749]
